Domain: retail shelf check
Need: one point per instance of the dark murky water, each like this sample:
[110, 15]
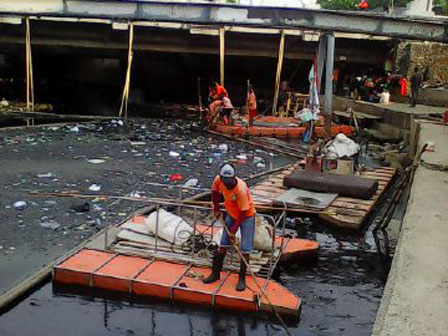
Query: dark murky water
[340, 295]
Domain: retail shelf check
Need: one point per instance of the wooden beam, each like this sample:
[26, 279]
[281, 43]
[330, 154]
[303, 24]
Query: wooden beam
[281, 52]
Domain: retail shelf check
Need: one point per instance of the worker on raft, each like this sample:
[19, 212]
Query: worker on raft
[240, 214]
[252, 104]
[225, 110]
[217, 93]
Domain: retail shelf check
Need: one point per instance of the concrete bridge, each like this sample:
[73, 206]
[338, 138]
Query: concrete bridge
[203, 13]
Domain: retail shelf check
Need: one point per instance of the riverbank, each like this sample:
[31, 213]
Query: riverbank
[415, 300]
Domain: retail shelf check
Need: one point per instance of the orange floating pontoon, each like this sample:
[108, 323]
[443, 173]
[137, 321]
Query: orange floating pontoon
[170, 280]
[281, 128]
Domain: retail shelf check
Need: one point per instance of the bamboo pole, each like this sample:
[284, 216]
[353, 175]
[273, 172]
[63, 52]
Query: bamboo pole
[168, 201]
[221, 54]
[29, 68]
[281, 51]
[127, 83]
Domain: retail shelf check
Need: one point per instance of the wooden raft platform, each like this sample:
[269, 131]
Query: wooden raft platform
[350, 213]
[179, 282]
[344, 212]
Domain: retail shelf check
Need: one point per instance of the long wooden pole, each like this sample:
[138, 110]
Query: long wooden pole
[169, 201]
[221, 53]
[29, 68]
[278, 75]
[127, 83]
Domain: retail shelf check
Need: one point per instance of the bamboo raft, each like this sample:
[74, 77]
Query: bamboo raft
[344, 212]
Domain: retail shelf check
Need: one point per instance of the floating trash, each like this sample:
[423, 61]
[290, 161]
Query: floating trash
[191, 183]
[96, 161]
[46, 175]
[95, 187]
[20, 205]
[50, 224]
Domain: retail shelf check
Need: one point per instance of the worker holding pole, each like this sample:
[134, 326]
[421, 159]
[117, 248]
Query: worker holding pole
[240, 214]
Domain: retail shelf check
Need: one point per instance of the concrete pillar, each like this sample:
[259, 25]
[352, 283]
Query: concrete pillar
[329, 83]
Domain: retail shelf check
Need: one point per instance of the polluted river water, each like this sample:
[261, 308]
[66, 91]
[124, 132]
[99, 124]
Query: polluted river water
[340, 291]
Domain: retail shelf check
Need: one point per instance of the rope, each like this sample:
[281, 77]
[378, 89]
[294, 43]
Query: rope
[198, 243]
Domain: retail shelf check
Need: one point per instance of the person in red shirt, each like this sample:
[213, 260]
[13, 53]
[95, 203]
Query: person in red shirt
[240, 214]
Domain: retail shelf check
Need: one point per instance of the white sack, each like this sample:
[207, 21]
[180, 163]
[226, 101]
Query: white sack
[262, 239]
[172, 228]
[340, 147]
[385, 98]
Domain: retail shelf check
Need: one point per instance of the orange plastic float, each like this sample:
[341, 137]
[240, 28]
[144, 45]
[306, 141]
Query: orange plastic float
[170, 280]
[285, 131]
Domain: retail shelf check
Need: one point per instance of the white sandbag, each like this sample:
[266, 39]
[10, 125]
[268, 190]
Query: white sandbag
[172, 228]
[340, 147]
[262, 239]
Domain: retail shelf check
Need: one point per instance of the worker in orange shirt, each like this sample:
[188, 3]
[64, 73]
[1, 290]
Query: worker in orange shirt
[252, 102]
[240, 214]
[217, 93]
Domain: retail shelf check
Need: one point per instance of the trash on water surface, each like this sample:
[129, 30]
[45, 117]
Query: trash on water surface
[96, 161]
[95, 187]
[20, 205]
[50, 224]
[84, 207]
[46, 175]
[176, 177]
[174, 154]
[191, 182]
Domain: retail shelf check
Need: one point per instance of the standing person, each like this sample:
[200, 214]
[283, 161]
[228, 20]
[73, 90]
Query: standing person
[252, 105]
[240, 213]
[416, 81]
[225, 110]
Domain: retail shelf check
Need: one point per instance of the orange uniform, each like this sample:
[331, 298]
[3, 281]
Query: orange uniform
[237, 199]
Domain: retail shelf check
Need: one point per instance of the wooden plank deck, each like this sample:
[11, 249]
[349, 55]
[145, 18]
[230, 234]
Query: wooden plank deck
[344, 212]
